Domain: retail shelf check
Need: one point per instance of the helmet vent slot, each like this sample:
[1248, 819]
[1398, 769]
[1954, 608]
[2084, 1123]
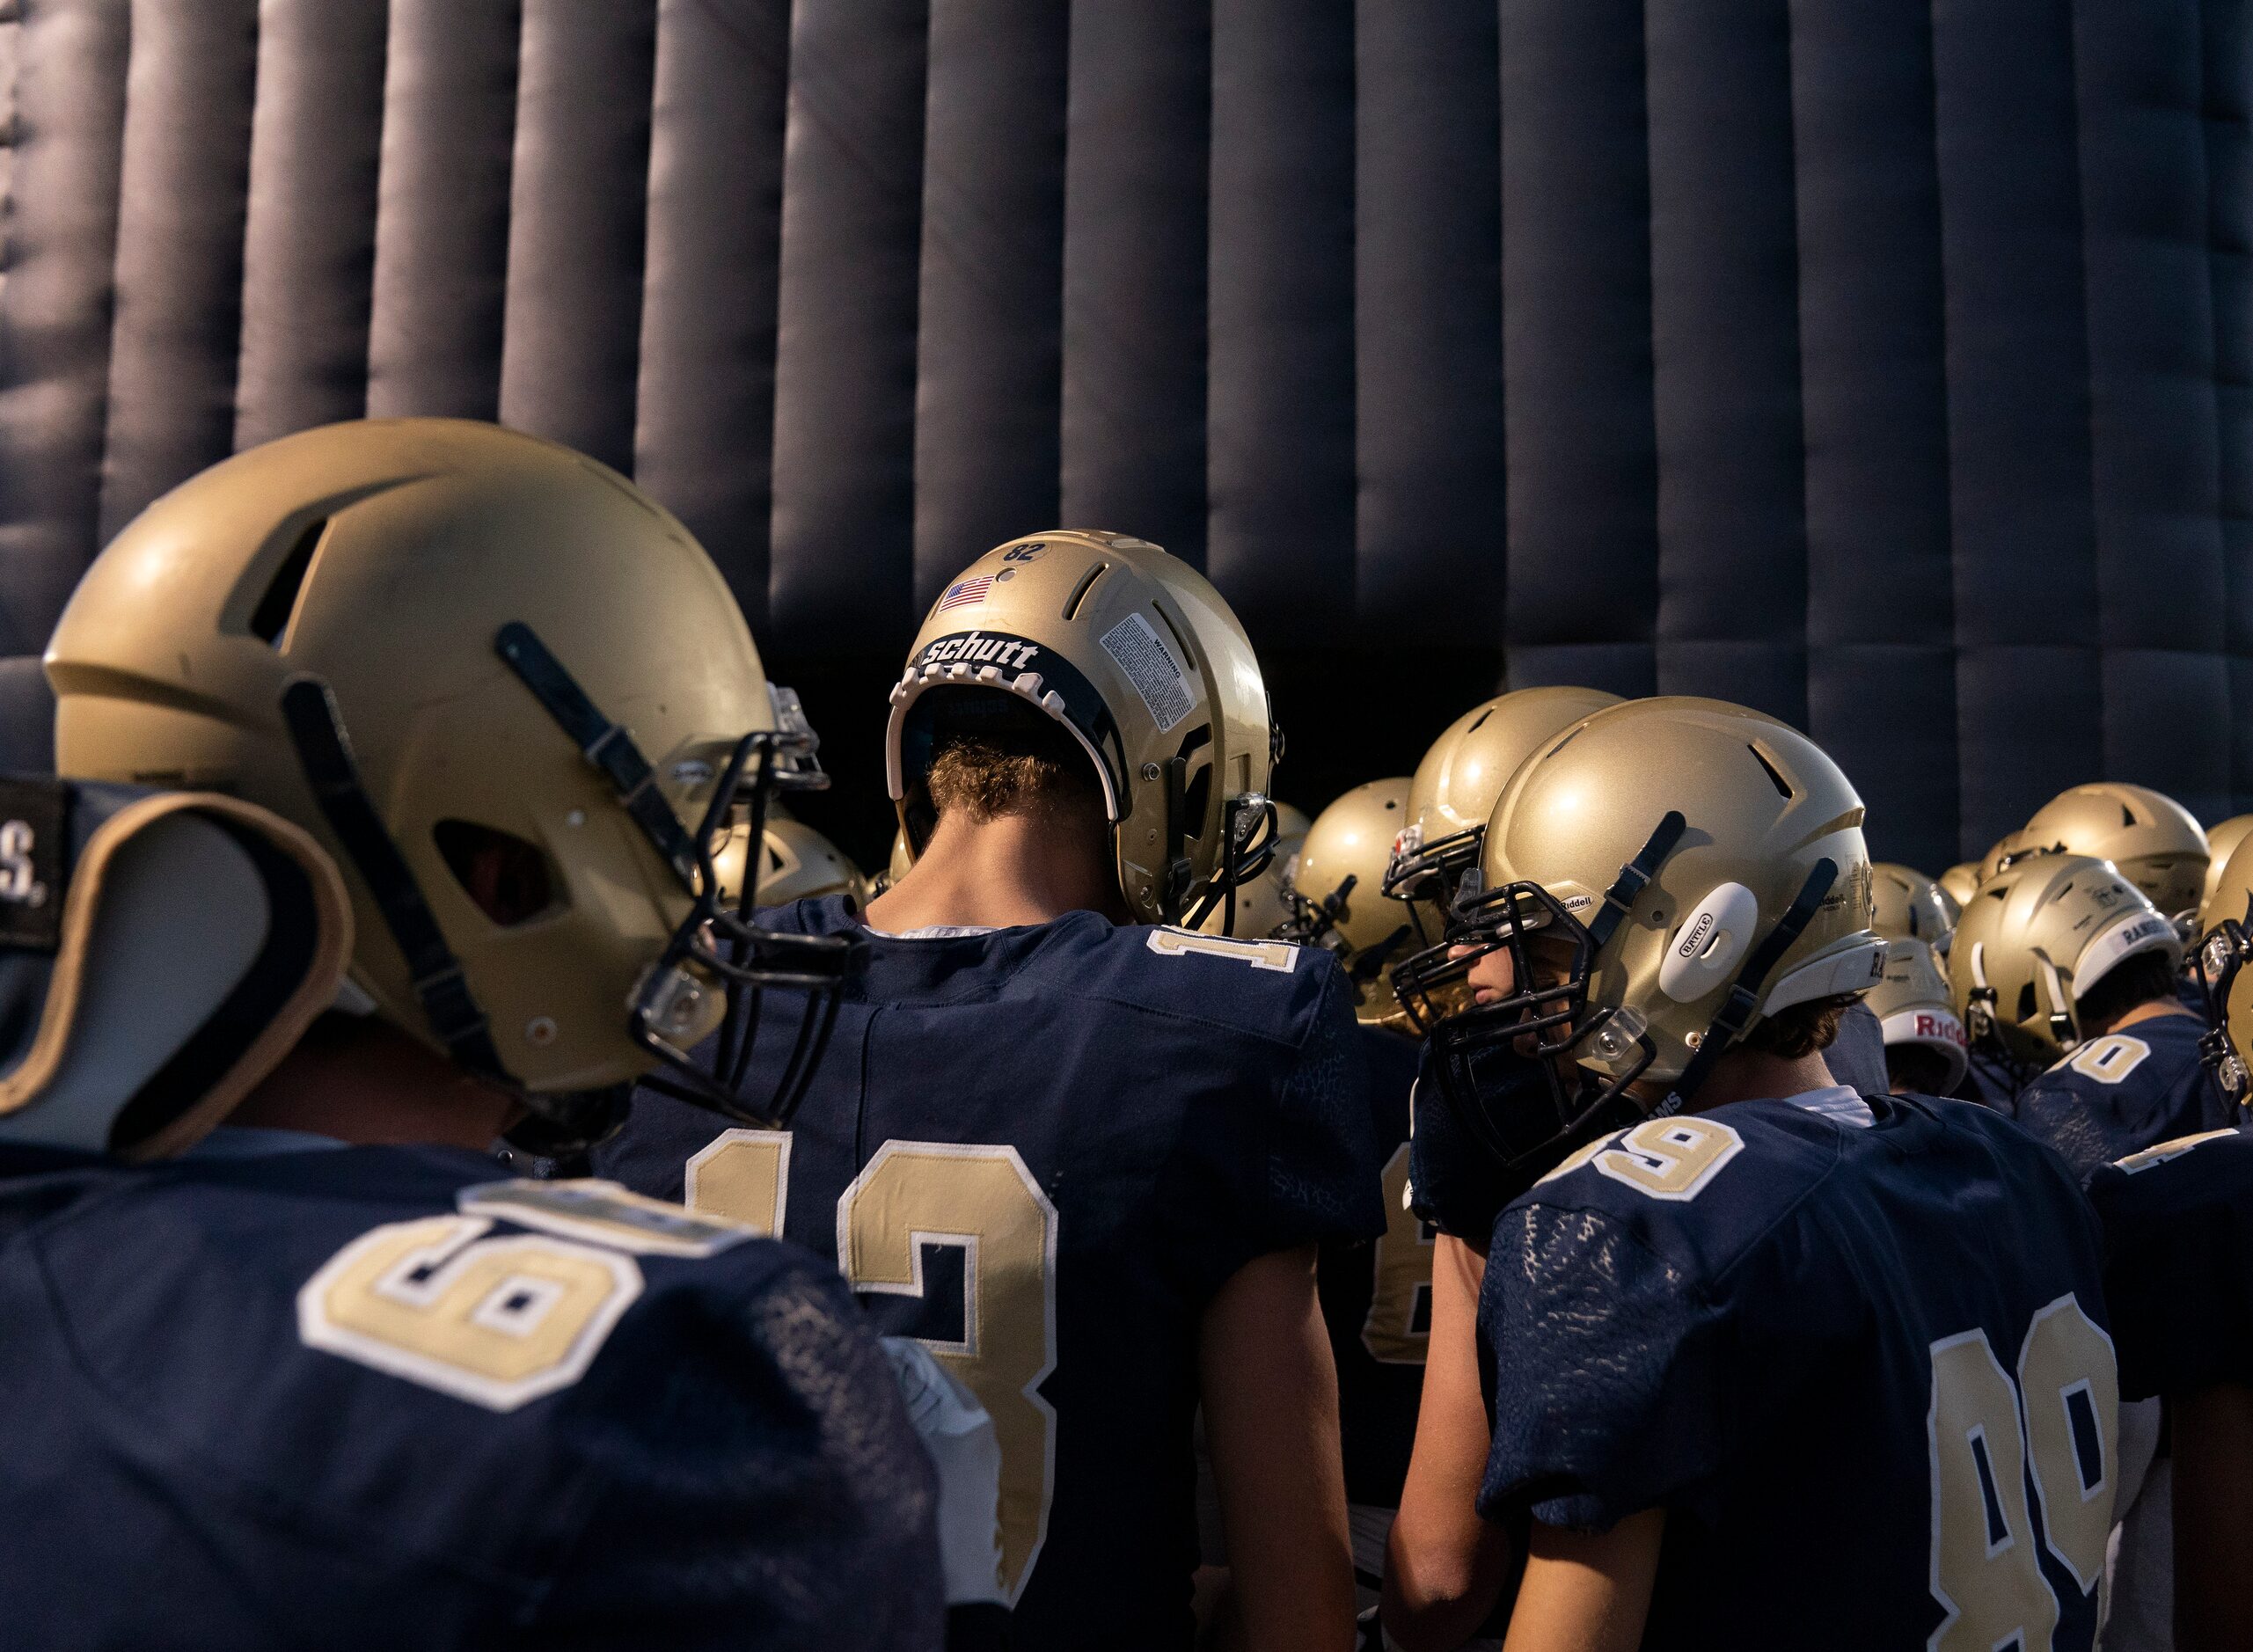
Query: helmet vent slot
[1079, 591]
[271, 618]
[2026, 1002]
[1774, 774]
[1180, 642]
[505, 877]
[1481, 719]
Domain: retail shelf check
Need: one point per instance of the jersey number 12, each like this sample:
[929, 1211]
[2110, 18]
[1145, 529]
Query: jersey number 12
[979, 1200]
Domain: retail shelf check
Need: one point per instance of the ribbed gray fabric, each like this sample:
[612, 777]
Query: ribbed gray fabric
[1887, 368]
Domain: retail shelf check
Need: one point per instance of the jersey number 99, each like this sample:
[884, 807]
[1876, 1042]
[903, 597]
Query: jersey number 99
[2060, 1420]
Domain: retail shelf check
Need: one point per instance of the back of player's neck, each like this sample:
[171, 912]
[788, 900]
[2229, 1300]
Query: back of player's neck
[369, 1084]
[998, 873]
[1746, 1074]
[2150, 1009]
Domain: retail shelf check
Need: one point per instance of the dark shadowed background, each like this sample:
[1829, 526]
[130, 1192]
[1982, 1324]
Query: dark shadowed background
[1883, 366]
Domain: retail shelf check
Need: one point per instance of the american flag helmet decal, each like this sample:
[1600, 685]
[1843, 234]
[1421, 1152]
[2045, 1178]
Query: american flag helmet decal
[965, 593]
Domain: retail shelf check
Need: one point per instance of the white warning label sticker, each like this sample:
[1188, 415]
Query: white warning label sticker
[1150, 665]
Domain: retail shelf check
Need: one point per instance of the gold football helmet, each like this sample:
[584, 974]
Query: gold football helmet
[2038, 935]
[2225, 947]
[1913, 1006]
[2222, 838]
[2009, 847]
[1136, 656]
[513, 699]
[800, 865]
[1339, 883]
[1662, 878]
[1456, 784]
[2156, 842]
[1959, 882]
[1907, 904]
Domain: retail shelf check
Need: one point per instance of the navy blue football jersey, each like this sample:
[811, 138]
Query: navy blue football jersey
[1453, 1183]
[1040, 1150]
[1377, 1299]
[2178, 1243]
[2118, 1093]
[376, 1398]
[1799, 1335]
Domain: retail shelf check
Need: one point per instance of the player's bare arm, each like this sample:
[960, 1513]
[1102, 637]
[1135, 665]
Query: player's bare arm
[2213, 1513]
[1587, 1593]
[1445, 1567]
[1271, 1421]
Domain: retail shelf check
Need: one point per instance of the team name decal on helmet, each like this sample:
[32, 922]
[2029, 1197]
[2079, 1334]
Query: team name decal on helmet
[1141, 661]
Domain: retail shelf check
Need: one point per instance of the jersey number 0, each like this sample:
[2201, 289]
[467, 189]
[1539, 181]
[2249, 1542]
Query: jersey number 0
[979, 1200]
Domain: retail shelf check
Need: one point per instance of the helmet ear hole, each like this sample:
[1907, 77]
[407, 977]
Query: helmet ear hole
[2026, 1002]
[505, 877]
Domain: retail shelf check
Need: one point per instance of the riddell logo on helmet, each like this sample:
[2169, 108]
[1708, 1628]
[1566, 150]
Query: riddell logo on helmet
[975, 648]
[1943, 1026]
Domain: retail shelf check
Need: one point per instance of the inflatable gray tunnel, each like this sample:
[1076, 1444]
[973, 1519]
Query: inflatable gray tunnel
[1885, 367]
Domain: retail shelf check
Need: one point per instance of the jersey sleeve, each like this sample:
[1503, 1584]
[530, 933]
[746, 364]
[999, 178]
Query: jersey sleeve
[2178, 1272]
[2074, 1119]
[1608, 1365]
[1324, 1163]
[755, 1479]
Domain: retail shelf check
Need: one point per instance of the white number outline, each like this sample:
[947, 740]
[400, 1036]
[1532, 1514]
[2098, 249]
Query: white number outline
[1278, 955]
[2089, 1059]
[2037, 1526]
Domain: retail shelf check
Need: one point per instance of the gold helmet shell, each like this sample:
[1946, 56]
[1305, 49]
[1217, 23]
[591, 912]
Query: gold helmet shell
[2157, 844]
[1455, 786]
[1133, 652]
[2222, 838]
[2039, 934]
[1907, 904]
[2000, 854]
[2229, 893]
[1912, 1003]
[383, 559]
[1763, 805]
[800, 865]
[1352, 839]
[1959, 882]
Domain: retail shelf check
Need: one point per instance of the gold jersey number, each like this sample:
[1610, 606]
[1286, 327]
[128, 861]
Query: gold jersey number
[503, 1320]
[979, 1199]
[2060, 1420]
[1397, 1330]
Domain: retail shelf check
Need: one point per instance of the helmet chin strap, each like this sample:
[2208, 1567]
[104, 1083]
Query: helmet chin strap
[1744, 999]
[2062, 1025]
[317, 730]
